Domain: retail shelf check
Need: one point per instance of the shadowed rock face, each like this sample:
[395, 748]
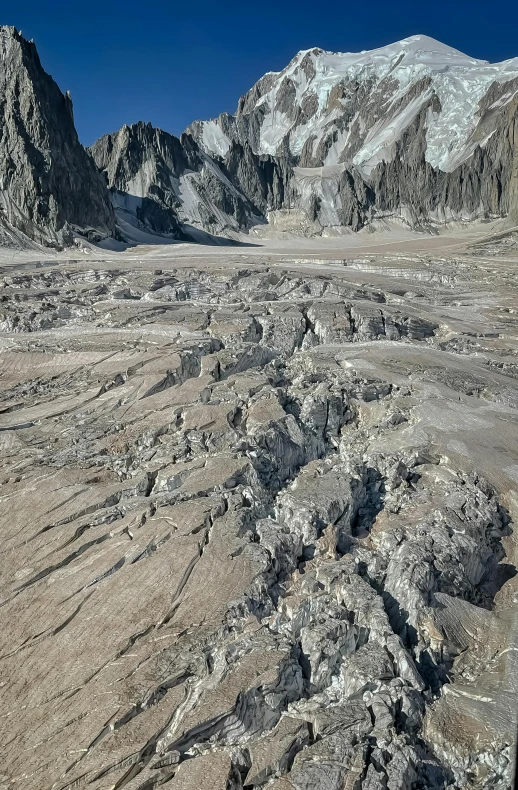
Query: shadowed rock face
[48, 182]
[409, 186]
[139, 163]
[513, 186]
[265, 180]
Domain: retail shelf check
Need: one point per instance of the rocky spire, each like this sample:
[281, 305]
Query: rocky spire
[49, 185]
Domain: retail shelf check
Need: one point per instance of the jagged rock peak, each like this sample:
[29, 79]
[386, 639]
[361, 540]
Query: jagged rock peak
[48, 183]
[168, 185]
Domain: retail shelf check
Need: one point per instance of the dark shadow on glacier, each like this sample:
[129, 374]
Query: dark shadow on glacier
[142, 220]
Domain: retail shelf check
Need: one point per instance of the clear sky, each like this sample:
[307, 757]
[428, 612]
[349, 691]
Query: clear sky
[173, 62]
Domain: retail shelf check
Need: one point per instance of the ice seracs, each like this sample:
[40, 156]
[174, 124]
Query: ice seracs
[256, 517]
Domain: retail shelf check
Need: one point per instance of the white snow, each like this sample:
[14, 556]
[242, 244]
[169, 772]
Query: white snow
[214, 139]
[275, 125]
[383, 135]
[140, 183]
[189, 196]
[134, 234]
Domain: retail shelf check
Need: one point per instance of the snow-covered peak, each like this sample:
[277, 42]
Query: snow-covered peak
[391, 75]
[413, 50]
[351, 108]
[424, 49]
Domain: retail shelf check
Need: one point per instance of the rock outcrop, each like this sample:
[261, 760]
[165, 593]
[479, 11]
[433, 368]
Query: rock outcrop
[49, 185]
[513, 184]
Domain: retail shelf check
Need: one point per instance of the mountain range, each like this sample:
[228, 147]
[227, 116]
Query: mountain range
[415, 133]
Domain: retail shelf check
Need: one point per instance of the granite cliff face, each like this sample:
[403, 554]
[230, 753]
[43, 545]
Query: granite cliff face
[513, 185]
[49, 185]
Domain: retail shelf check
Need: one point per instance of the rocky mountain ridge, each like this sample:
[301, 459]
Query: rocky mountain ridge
[49, 185]
[332, 108]
[169, 185]
[414, 132]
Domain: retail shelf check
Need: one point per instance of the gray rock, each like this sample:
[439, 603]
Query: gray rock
[49, 185]
[162, 183]
[376, 139]
[165, 184]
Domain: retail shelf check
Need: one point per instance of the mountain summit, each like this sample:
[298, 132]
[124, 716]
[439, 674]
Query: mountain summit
[416, 130]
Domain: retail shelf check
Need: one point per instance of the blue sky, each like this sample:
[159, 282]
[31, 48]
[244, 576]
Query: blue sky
[173, 62]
